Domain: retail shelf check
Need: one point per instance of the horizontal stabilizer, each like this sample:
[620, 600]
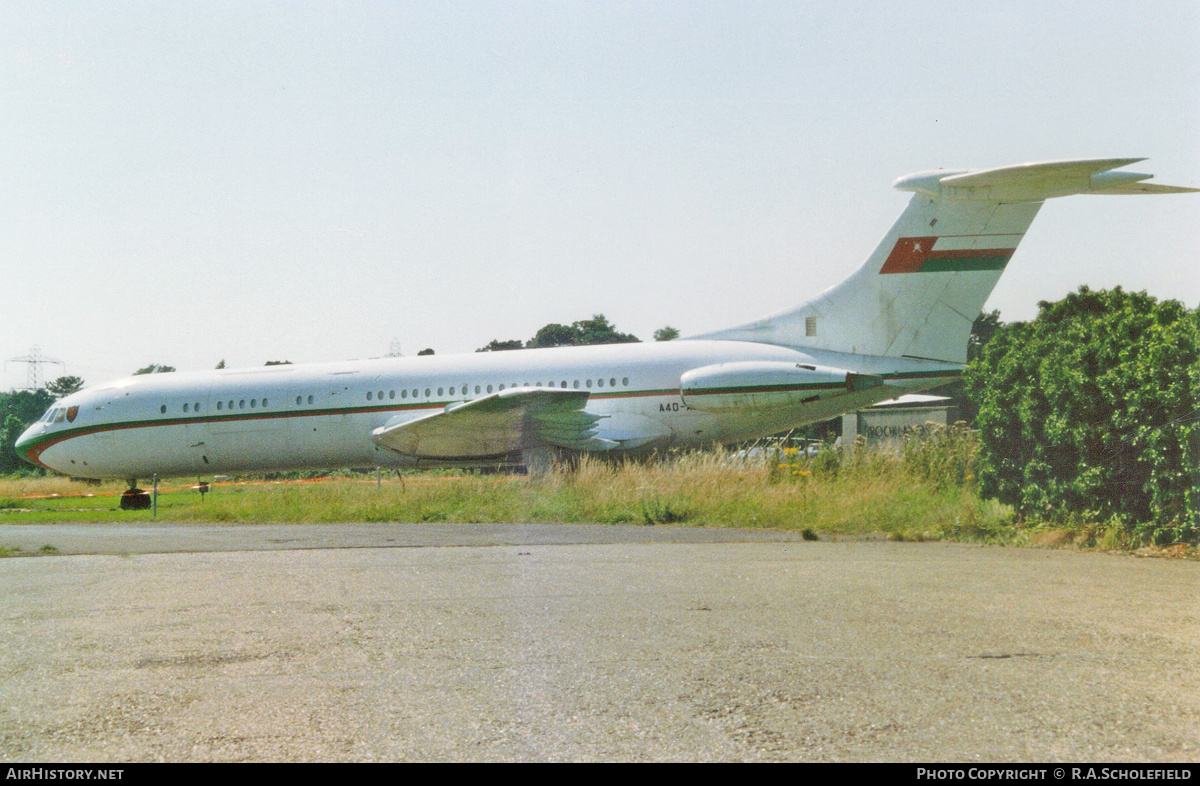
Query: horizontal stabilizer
[1144, 188]
[1034, 182]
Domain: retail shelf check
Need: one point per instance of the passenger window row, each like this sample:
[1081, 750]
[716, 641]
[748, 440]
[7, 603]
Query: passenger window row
[464, 390]
[482, 389]
[232, 404]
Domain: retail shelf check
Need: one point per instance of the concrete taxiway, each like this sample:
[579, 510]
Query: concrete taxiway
[368, 642]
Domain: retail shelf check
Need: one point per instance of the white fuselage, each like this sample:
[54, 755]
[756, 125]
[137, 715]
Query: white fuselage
[899, 324]
[316, 416]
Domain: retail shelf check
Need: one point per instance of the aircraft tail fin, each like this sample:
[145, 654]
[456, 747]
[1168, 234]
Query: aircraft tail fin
[919, 292]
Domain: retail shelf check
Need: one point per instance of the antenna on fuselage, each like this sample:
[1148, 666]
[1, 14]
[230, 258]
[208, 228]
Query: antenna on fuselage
[33, 367]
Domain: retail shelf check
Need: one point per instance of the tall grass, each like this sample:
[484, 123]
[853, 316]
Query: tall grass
[926, 490]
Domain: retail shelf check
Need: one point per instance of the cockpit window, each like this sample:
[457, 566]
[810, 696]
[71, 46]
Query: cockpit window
[60, 415]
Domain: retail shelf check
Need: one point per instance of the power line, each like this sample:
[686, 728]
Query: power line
[33, 366]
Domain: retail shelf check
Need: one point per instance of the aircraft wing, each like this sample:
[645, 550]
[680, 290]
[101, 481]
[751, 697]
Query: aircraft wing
[496, 425]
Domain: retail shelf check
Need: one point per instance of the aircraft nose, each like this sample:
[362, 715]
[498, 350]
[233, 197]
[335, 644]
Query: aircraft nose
[26, 443]
[28, 435]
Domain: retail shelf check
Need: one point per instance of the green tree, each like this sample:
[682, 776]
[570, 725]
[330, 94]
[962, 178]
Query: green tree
[667, 333]
[18, 410]
[64, 386]
[221, 364]
[597, 330]
[10, 430]
[26, 405]
[500, 346]
[154, 368]
[1091, 409]
[425, 352]
[278, 363]
[982, 330]
[553, 335]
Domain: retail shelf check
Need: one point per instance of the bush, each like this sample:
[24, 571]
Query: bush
[1091, 410]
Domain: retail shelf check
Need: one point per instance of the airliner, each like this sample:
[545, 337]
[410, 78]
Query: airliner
[898, 325]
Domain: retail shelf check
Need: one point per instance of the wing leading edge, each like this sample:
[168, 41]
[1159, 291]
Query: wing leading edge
[498, 424]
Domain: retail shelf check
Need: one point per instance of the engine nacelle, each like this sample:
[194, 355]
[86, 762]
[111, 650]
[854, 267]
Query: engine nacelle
[767, 384]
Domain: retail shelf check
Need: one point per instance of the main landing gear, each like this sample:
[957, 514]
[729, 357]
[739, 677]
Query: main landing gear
[135, 498]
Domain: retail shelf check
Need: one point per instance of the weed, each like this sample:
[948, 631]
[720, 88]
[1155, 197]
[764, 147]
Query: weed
[656, 510]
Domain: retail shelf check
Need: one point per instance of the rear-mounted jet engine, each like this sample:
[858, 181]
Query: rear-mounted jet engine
[767, 385]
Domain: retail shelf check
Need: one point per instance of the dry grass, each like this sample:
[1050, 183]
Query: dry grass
[55, 485]
[926, 492]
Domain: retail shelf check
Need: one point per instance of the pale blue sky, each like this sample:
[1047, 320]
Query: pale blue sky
[186, 182]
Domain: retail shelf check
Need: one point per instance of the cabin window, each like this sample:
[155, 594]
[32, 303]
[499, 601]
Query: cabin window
[298, 399]
[426, 392]
[600, 382]
[185, 407]
[625, 381]
[403, 394]
[588, 383]
[242, 404]
[501, 387]
[564, 383]
[441, 391]
[253, 403]
[464, 388]
[219, 403]
[612, 383]
[265, 402]
[476, 388]
[163, 409]
[391, 394]
[380, 395]
[310, 399]
[451, 391]
[368, 395]
[489, 388]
